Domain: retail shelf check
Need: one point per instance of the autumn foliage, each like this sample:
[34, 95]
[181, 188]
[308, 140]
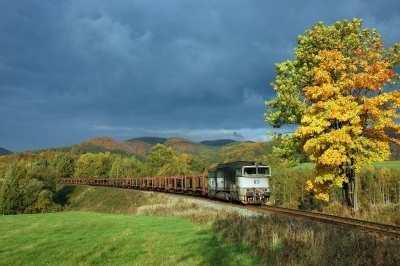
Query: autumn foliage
[339, 90]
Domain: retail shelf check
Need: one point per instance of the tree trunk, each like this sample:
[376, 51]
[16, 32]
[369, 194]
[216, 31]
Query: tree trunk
[355, 194]
[350, 191]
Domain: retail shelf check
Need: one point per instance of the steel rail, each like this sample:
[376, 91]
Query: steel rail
[366, 226]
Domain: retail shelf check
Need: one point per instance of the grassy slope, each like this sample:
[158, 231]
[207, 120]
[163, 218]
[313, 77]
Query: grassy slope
[84, 238]
[99, 229]
[170, 231]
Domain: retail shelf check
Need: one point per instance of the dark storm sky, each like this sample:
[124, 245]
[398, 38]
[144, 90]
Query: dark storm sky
[73, 70]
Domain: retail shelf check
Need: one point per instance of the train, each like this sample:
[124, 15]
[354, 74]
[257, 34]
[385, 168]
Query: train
[244, 182]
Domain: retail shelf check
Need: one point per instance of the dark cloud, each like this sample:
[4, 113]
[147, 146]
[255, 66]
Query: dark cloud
[237, 136]
[73, 70]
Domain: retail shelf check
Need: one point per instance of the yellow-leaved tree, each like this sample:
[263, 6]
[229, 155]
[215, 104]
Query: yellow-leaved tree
[341, 90]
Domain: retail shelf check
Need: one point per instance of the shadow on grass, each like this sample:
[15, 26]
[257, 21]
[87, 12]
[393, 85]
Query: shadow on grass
[220, 251]
[62, 196]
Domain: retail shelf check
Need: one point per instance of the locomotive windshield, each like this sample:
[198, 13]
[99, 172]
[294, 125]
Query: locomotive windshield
[252, 170]
[249, 170]
[264, 171]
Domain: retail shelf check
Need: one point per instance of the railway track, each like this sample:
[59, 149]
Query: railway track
[386, 230]
[390, 231]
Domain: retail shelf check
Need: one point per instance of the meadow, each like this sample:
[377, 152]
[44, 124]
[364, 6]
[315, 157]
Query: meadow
[387, 164]
[113, 226]
[88, 238]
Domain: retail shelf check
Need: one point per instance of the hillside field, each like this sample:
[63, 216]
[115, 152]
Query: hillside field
[115, 226]
[87, 238]
[388, 165]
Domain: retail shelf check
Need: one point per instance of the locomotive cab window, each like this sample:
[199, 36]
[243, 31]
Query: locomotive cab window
[249, 171]
[264, 171]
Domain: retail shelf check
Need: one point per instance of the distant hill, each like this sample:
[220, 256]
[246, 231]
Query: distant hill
[217, 143]
[141, 147]
[5, 151]
[150, 140]
[97, 145]
[109, 144]
[181, 145]
[214, 151]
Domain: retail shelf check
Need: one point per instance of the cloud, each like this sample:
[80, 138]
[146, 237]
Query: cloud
[74, 70]
[237, 135]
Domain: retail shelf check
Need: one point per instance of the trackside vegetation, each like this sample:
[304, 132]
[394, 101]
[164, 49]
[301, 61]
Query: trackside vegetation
[29, 186]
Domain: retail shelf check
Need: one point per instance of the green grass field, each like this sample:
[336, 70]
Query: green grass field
[86, 238]
[388, 164]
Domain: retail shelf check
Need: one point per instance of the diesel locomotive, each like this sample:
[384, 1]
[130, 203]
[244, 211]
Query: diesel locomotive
[243, 181]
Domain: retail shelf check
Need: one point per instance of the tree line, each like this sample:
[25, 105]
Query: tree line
[377, 186]
[29, 185]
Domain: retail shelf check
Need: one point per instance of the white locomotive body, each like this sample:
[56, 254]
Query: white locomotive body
[246, 182]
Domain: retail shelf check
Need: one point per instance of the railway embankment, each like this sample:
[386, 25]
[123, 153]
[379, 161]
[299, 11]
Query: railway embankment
[275, 239]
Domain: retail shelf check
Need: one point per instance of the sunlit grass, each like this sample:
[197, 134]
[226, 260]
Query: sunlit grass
[85, 238]
[388, 164]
